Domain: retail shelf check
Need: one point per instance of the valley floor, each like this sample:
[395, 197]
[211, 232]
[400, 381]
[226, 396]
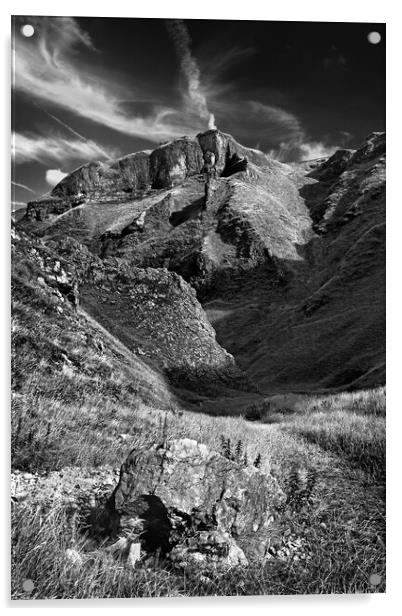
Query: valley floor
[331, 542]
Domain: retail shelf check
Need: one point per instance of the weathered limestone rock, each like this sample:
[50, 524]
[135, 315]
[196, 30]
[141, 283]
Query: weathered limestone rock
[173, 162]
[208, 549]
[163, 316]
[205, 508]
[227, 152]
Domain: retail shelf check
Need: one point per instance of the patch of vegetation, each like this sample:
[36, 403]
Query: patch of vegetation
[335, 507]
[238, 452]
[359, 439]
[299, 487]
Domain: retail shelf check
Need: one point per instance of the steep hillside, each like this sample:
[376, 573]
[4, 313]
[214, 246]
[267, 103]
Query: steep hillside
[59, 351]
[287, 260]
[160, 303]
[85, 329]
[326, 330]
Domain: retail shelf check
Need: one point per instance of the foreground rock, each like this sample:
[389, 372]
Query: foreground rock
[194, 505]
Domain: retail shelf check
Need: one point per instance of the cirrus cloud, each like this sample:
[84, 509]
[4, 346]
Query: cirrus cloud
[316, 149]
[38, 148]
[46, 68]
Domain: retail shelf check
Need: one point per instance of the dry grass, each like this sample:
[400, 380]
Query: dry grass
[351, 425]
[342, 525]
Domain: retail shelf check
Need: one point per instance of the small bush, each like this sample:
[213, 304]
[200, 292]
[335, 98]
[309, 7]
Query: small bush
[299, 487]
[238, 453]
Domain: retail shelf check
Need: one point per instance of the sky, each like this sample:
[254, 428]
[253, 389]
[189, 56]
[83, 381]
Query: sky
[100, 88]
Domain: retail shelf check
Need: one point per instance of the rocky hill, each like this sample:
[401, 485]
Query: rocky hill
[229, 273]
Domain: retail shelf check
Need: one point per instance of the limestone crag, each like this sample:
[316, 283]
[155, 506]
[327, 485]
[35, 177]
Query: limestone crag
[57, 346]
[156, 310]
[227, 151]
[280, 255]
[129, 176]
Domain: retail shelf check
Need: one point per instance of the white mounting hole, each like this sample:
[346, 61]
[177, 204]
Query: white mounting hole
[374, 38]
[27, 30]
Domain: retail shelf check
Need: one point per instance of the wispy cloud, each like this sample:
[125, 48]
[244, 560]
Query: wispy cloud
[216, 62]
[18, 185]
[76, 133]
[316, 149]
[295, 144]
[50, 68]
[196, 99]
[300, 150]
[264, 123]
[280, 124]
[54, 176]
[28, 147]
[46, 69]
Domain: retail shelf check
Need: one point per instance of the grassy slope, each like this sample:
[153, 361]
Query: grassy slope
[79, 398]
[325, 330]
[340, 530]
[74, 403]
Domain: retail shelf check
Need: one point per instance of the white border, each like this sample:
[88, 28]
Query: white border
[293, 10]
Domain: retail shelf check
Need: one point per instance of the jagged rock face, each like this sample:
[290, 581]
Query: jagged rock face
[158, 312]
[287, 259]
[327, 330]
[98, 180]
[172, 163]
[226, 226]
[331, 168]
[134, 171]
[215, 508]
[156, 315]
[44, 208]
[226, 150]
[128, 177]
[56, 348]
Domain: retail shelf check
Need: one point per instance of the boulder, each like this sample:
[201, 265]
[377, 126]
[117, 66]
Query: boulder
[209, 509]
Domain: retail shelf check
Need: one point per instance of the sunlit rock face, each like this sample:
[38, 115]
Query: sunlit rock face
[156, 310]
[205, 504]
[225, 149]
[287, 259]
[172, 163]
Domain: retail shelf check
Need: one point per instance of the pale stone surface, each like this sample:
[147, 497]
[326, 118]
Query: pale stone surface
[204, 504]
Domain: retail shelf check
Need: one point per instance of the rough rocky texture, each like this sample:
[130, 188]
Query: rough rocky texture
[57, 349]
[288, 260]
[157, 311]
[174, 162]
[326, 329]
[228, 152]
[129, 176]
[97, 179]
[44, 208]
[204, 508]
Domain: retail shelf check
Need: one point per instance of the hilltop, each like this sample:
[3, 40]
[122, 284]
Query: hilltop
[286, 260]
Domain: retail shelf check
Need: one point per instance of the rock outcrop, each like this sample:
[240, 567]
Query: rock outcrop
[172, 163]
[132, 175]
[157, 311]
[280, 255]
[227, 152]
[326, 331]
[194, 505]
[57, 348]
